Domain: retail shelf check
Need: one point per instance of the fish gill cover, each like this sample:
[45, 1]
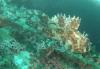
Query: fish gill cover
[30, 39]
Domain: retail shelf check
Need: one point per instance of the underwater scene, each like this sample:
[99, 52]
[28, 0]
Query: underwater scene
[49, 34]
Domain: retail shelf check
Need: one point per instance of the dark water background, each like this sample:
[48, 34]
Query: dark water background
[88, 10]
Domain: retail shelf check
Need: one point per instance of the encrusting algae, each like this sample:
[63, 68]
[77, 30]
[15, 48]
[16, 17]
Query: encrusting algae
[36, 41]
